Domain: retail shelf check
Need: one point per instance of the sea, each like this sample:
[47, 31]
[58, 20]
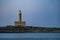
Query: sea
[29, 36]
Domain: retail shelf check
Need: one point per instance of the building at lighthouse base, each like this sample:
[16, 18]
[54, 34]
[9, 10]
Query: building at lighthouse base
[18, 23]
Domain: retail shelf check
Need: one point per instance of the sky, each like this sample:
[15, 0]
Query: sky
[41, 13]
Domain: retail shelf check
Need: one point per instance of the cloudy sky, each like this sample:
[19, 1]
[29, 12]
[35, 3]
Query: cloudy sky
[34, 12]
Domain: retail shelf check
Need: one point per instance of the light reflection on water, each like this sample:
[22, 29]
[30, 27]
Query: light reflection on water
[29, 35]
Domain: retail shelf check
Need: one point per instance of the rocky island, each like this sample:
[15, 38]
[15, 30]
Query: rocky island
[28, 29]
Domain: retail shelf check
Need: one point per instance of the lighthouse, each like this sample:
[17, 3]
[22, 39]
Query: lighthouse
[20, 22]
[20, 15]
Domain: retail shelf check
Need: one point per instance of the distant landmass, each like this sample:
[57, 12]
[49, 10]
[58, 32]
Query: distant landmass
[28, 29]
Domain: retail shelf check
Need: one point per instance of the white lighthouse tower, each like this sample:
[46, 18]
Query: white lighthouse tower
[20, 15]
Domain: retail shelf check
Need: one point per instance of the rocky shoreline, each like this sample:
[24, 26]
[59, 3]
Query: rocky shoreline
[28, 29]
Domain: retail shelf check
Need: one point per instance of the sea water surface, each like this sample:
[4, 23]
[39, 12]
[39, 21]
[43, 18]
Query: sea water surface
[29, 36]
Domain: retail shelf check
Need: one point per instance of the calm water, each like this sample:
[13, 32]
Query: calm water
[29, 36]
